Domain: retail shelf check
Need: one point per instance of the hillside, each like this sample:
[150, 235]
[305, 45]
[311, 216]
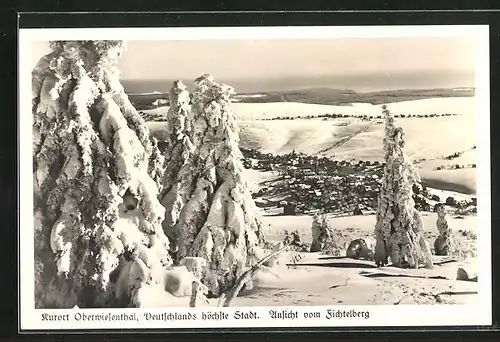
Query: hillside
[339, 97]
[320, 96]
[279, 110]
[429, 140]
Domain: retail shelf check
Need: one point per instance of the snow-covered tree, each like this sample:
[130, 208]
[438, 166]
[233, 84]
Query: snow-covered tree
[210, 212]
[399, 227]
[97, 219]
[322, 234]
[443, 243]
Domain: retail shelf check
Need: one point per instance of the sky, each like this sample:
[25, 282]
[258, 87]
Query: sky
[281, 58]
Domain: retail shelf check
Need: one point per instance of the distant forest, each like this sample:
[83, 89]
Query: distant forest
[324, 96]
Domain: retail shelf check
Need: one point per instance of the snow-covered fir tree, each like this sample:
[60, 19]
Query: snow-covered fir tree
[97, 218]
[399, 227]
[210, 212]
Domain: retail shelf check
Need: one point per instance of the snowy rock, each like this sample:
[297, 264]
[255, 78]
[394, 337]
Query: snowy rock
[278, 246]
[361, 249]
[178, 281]
[469, 275]
[194, 265]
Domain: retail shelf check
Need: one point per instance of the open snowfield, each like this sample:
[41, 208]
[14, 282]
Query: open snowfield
[343, 281]
[274, 226]
[259, 111]
[256, 111]
[351, 138]
[334, 281]
[356, 139]
[462, 181]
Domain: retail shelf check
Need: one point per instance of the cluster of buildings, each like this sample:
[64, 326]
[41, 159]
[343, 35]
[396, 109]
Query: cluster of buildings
[310, 184]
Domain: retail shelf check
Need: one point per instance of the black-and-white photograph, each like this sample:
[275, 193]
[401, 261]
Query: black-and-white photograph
[249, 172]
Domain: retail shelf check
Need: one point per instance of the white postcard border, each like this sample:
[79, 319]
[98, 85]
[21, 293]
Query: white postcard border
[401, 315]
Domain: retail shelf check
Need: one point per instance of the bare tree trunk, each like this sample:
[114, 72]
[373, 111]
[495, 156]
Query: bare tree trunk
[194, 294]
[97, 220]
[210, 212]
[233, 292]
[399, 227]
